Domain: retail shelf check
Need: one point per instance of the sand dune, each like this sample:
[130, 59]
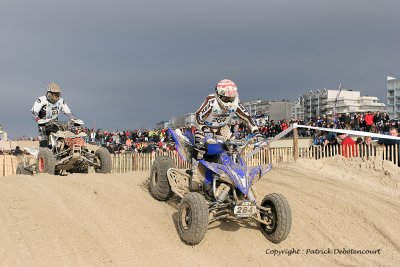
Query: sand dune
[107, 220]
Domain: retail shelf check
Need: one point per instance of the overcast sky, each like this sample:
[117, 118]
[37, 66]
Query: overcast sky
[125, 64]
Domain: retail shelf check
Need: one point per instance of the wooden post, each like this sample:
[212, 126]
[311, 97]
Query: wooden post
[384, 152]
[129, 162]
[125, 163]
[135, 161]
[115, 163]
[393, 153]
[274, 155]
[12, 166]
[3, 170]
[295, 144]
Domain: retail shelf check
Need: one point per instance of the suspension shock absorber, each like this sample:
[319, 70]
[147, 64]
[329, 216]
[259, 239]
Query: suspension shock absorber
[222, 192]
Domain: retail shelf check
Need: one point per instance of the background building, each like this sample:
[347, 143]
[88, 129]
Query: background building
[162, 125]
[297, 110]
[186, 120]
[273, 110]
[321, 102]
[257, 107]
[281, 110]
[393, 97]
[3, 134]
[352, 102]
[314, 103]
[309, 106]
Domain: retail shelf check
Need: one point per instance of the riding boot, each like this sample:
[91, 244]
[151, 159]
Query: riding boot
[194, 180]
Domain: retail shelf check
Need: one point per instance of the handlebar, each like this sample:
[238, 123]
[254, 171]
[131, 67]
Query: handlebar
[239, 144]
[55, 126]
[76, 122]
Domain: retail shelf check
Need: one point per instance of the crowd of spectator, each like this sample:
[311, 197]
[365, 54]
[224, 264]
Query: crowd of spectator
[142, 140]
[376, 122]
[17, 151]
[149, 140]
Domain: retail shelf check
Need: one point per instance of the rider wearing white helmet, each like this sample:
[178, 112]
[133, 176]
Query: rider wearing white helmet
[217, 110]
[48, 108]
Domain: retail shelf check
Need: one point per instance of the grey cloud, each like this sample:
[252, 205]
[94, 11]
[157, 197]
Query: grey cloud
[138, 62]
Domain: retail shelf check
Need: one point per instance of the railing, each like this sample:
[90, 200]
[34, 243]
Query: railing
[8, 164]
[128, 162]
[279, 155]
[142, 161]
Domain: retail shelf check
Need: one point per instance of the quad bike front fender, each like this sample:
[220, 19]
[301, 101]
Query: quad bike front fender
[255, 173]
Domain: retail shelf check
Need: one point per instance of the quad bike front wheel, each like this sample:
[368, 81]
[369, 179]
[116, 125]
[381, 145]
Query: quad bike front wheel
[159, 185]
[21, 169]
[192, 218]
[45, 162]
[278, 216]
[103, 157]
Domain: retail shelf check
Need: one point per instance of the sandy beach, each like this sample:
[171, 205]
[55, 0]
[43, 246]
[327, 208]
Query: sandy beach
[338, 206]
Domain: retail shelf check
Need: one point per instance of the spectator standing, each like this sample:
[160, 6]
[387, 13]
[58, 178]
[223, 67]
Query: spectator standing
[377, 117]
[128, 143]
[385, 117]
[368, 149]
[284, 125]
[147, 148]
[318, 139]
[369, 121]
[17, 151]
[391, 145]
[347, 121]
[349, 147]
[331, 145]
[93, 136]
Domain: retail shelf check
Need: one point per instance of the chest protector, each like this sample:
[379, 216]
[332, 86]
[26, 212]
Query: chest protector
[53, 110]
[218, 117]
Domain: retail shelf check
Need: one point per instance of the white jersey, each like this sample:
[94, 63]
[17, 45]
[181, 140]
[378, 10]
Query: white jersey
[210, 114]
[43, 109]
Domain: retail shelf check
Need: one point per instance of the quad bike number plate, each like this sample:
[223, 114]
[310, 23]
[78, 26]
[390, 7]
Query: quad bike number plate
[245, 209]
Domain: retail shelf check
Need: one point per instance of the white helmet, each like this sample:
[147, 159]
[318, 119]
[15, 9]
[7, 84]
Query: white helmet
[53, 92]
[227, 94]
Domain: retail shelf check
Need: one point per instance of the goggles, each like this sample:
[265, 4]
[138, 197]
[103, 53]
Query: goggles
[227, 99]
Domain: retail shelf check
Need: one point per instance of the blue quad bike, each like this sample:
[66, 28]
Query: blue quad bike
[226, 190]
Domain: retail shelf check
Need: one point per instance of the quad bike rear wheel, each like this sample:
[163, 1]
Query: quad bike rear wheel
[159, 185]
[45, 162]
[104, 158]
[192, 218]
[279, 218]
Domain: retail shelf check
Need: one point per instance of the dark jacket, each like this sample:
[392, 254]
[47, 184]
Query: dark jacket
[390, 144]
